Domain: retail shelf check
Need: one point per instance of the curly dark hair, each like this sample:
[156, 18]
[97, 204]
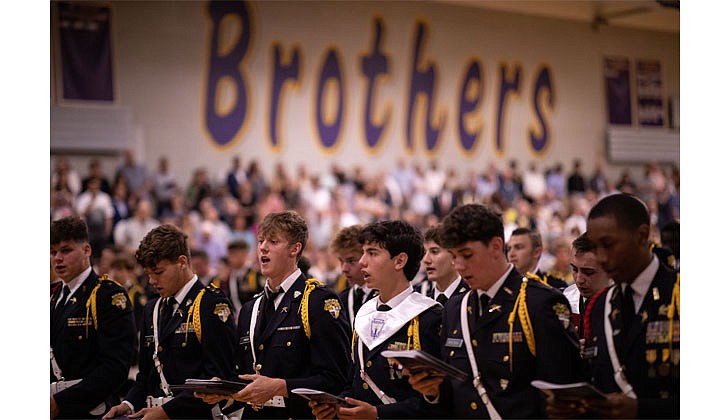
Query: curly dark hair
[397, 236]
[471, 222]
[165, 242]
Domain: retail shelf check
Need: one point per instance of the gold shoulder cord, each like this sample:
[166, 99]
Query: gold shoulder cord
[194, 312]
[310, 285]
[353, 342]
[543, 280]
[521, 308]
[413, 334]
[91, 302]
[252, 280]
[674, 307]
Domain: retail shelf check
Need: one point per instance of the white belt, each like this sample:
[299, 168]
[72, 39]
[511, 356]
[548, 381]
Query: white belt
[61, 385]
[157, 401]
[276, 401]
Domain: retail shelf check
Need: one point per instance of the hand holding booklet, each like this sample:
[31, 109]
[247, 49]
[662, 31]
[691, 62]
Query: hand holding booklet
[570, 392]
[418, 361]
[320, 397]
[210, 386]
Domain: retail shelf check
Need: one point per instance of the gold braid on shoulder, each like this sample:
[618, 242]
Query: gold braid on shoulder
[353, 341]
[673, 308]
[543, 280]
[91, 302]
[194, 313]
[310, 285]
[521, 308]
[413, 334]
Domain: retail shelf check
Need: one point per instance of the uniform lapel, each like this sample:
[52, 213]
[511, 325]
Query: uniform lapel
[649, 306]
[502, 303]
[287, 305]
[180, 314]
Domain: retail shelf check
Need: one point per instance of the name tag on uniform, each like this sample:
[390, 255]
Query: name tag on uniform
[78, 322]
[245, 339]
[292, 327]
[505, 337]
[589, 352]
[454, 342]
[148, 340]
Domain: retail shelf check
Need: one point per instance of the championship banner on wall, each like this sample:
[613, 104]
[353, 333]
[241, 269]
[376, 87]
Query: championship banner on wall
[619, 95]
[650, 105]
[85, 46]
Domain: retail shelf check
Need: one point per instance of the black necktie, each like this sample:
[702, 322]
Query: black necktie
[628, 311]
[269, 307]
[358, 298]
[62, 301]
[383, 308]
[442, 299]
[165, 314]
[484, 301]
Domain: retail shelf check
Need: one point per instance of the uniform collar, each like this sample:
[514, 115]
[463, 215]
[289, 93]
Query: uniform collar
[77, 281]
[449, 291]
[497, 285]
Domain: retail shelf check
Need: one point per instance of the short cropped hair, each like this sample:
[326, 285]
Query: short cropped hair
[471, 222]
[199, 253]
[533, 234]
[165, 242]
[629, 211]
[240, 244]
[582, 245]
[397, 236]
[71, 228]
[347, 240]
[289, 223]
[432, 234]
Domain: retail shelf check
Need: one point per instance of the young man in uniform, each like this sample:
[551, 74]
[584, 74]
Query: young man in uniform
[292, 335]
[589, 279]
[636, 353]
[188, 332]
[397, 319]
[244, 281]
[347, 249]
[524, 252]
[91, 348]
[440, 267]
[508, 330]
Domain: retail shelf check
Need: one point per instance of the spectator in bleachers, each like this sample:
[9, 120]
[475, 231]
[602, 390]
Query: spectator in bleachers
[94, 172]
[165, 186]
[136, 175]
[129, 232]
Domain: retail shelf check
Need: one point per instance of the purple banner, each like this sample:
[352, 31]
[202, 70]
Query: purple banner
[619, 103]
[650, 105]
[86, 64]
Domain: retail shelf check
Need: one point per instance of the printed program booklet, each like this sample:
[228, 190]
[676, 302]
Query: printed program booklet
[418, 361]
[320, 397]
[210, 386]
[570, 392]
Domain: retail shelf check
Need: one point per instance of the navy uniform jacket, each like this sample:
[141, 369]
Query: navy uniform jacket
[344, 297]
[182, 355]
[248, 285]
[284, 351]
[461, 288]
[557, 352]
[657, 387]
[100, 355]
[553, 281]
[410, 403]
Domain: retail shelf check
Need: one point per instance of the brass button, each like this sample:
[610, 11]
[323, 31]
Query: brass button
[473, 405]
[258, 366]
[452, 353]
[506, 358]
[159, 349]
[454, 331]
[184, 344]
[365, 385]
[260, 347]
[369, 363]
[288, 344]
[161, 386]
[475, 343]
[80, 337]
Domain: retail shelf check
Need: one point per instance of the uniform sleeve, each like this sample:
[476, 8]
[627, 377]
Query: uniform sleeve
[115, 340]
[557, 347]
[330, 345]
